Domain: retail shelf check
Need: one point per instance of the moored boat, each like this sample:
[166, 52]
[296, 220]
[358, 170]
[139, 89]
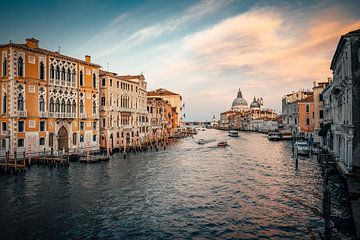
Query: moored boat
[201, 141]
[286, 135]
[301, 148]
[233, 133]
[274, 136]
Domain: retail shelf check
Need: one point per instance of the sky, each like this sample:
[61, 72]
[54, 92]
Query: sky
[203, 50]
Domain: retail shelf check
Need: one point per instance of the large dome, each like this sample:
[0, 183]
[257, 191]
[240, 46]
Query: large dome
[239, 101]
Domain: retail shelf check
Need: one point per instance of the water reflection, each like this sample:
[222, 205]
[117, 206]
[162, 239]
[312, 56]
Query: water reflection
[247, 190]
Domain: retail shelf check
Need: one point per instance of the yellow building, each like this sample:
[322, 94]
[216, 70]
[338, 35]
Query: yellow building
[48, 100]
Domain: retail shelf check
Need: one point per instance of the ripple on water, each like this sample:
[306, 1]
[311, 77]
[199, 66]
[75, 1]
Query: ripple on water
[248, 190]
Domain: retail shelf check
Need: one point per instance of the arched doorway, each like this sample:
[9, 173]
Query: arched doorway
[62, 138]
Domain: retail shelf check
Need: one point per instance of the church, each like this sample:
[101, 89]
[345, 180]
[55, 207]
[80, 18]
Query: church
[255, 117]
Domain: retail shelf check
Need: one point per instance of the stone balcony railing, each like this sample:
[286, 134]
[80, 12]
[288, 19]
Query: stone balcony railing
[44, 114]
[83, 115]
[95, 116]
[22, 113]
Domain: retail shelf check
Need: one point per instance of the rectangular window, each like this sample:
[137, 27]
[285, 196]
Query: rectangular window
[81, 125]
[307, 108]
[118, 135]
[321, 114]
[3, 143]
[42, 126]
[3, 127]
[20, 142]
[21, 126]
[81, 138]
[103, 82]
[320, 97]
[94, 125]
[104, 122]
[42, 141]
[307, 121]
[94, 138]
[51, 139]
[117, 84]
[110, 82]
[74, 138]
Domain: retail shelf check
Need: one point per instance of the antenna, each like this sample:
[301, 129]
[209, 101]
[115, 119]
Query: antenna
[107, 66]
[59, 49]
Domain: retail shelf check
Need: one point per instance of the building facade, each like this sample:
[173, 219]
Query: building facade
[123, 110]
[48, 100]
[342, 99]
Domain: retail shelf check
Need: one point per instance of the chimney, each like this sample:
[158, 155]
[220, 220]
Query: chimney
[314, 83]
[87, 58]
[32, 43]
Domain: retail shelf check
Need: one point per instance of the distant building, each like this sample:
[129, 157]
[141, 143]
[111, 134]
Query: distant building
[174, 100]
[214, 122]
[318, 109]
[243, 117]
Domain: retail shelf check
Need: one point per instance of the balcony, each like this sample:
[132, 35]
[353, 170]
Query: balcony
[44, 114]
[22, 114]
[83, 115]
[95, 116]
[127, 126]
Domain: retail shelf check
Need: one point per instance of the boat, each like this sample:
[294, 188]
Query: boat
[301, 148]
[223, 144]
[233, 133]
[201, 141]
[274, 136]
[286, 135]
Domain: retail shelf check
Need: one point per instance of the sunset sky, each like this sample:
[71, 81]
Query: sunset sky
[203, 50]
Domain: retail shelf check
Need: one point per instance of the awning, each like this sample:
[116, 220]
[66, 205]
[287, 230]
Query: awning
[323, 131]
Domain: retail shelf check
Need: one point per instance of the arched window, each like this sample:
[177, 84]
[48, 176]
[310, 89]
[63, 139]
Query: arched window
[63, 74]
[102, 101]
[81, 78]
[20, 67]
[41, 104]
[68, 106]
[73, 75]
[63, 105]
[42, 71]
[58, 72]
[74, 107]
[81, 106]
[94, 80]
[57, 105]
[69, 75]
[94, 107]
[4, 67]
[4, 103]
[52, 71]
[51, 105]
[20, 105]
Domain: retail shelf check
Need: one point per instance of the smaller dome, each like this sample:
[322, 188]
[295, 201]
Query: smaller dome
[255, 104]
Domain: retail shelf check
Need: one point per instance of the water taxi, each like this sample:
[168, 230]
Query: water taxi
[233, 133]
[301, 148]
[274, 136]
[201, 141]
[223, 144]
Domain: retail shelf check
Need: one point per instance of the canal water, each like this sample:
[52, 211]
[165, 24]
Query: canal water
[247, 190]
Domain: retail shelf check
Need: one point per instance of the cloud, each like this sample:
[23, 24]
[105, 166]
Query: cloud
[265, 51]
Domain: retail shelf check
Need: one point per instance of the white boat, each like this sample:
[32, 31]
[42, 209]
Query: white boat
[274, 136]
[286, 135]
[201, 141]
[233, 133]
[301, 148]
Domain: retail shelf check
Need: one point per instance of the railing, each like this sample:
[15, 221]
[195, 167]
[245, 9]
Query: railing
[44, 114]
[83, 115]
[127, 126]
[22, 113]
[95, 116]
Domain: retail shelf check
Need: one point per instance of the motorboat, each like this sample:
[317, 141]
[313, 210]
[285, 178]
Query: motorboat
[286, 135]
[233, 133]
[274, 136]
[223, 144]
[201, 141]
[301, 148]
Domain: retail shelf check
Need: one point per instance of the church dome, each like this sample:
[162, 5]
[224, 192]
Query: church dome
[239, 101]
[255, 104]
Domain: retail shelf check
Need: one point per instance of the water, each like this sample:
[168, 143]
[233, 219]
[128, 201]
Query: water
[247, 190]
